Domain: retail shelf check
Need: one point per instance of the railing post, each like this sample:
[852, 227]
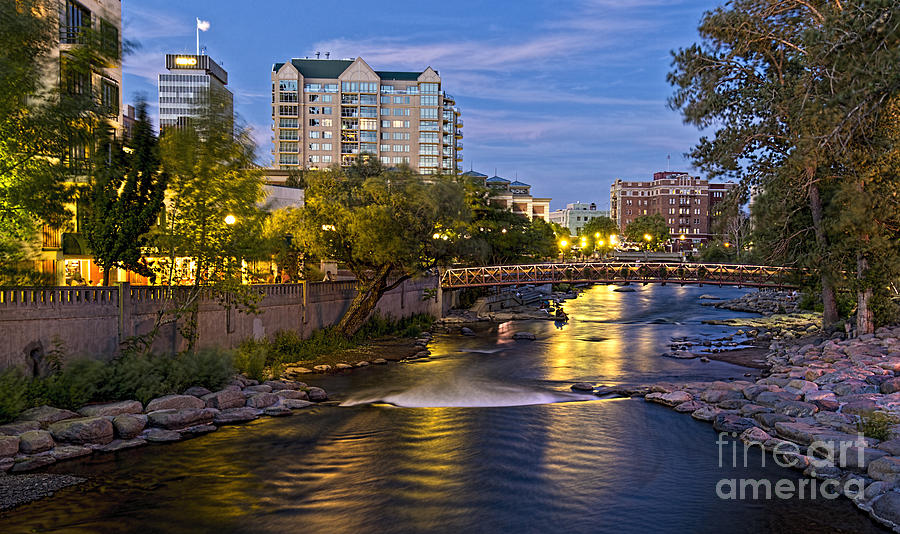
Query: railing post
[124, 310]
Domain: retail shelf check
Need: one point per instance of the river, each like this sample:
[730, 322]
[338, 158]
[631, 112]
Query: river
[483, 436]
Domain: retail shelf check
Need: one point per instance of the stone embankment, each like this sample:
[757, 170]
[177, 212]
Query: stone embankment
[809, 412]
[416, 351]
[45, 435]
[764, 302]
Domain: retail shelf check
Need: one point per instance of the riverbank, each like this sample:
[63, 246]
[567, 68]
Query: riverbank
[830, 409]
[46, 435]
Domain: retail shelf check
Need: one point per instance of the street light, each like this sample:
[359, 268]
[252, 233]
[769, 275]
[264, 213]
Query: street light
[648, 237]
[613, 239]
[230, 219]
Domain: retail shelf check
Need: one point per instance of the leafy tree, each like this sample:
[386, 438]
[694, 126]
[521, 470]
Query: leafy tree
[648, 232]
[598, 231]
[384, 225]
[126, 197]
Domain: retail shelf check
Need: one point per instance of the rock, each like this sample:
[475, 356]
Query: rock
[886, 468]
[262, 388]
[714, 396]
[755, 435]
[120, 444]
[343, 366]
[317, 394]
[280, 385]
[322, 368]
[175, 402]
[295, 370]
[362, 363]
[66, 452]
[732, 404]
[886, 508]
[749, 410]
[525, 336]
[860, 407]
[669, 399]
[175, 419]
[46, 415]
[582, 386]
[689, 406]
[35, 441]
[750, 392]
[197, 391]
[379, 361]
[727, 422]
[771, 398]
[277, 411]
[707, 413]
[857, 458]
[111, 409]
[466, 331]
[235, 415]
[129, 425]
[892, 447]
[9, 446]
[296, 404]
[292, 394]
[796, 408]
[197, 430]
[224, 399]
[891, 385]
[262, 400]
[27, 463]
[160, 435]
[14, 429]
[83, 430]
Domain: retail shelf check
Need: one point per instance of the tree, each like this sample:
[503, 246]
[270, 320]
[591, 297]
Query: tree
[384, 225]
[648, 232]
[126, 198]
[789, 86]
[40, 125]
[598, 231]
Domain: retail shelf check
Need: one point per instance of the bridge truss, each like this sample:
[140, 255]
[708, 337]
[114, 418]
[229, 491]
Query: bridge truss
[618, 273]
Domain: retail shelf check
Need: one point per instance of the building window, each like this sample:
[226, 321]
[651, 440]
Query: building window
[429, 137]
[109, 97]
[400, 124]
[331, 88]
[428, 100]
[385, 148]
[432, 126]
[312, 87]
[428, 113]
[326, 146]
[288, 123]
[314, 110]
[326, 159]
[313, 134]
[385, 124]
[327, 135]
[428, 161]
[289, 146]
[314, 146]
[401, 100]
[428, 88]
[359, 87]
[401, 112]
[290, 135]
[75, 19]
[109, 39]
[368, 124]
[287, 110]
[315, 122]
[401, 136]
[288, 159]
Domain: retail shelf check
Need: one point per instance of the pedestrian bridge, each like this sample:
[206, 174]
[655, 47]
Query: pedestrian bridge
[716, 274]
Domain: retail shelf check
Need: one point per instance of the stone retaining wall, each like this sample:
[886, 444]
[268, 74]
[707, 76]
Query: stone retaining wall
[93, 321]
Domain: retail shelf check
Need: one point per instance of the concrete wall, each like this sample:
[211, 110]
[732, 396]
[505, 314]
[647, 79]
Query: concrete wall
[93, 321]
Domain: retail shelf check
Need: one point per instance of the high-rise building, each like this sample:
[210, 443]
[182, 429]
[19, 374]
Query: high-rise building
[576, 215]
[193, 83]
[329, 111]
[687, 203]
[513, 195]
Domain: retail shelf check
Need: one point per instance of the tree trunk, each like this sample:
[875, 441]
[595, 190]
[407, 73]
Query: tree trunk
[106, 276]
[368, 294]
[829, 303]
[865, 318]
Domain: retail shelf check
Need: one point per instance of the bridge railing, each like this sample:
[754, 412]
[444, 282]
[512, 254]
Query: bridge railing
[618, 272]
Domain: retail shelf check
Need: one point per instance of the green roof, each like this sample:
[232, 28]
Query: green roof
[332, 68]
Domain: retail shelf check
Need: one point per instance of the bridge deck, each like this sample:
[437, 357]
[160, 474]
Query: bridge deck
[617, 272]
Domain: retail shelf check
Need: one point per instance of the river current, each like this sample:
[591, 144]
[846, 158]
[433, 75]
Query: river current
[483, 436]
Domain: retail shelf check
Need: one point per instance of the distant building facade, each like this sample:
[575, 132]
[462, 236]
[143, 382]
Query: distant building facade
[687, 203]
[514, 196]
[193, 82]
[576, 215]
[328, 112]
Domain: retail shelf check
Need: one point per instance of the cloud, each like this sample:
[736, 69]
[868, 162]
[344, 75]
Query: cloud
[142, 23]
[145, 64]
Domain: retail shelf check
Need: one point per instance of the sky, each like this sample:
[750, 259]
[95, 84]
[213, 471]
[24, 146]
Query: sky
[564, 95]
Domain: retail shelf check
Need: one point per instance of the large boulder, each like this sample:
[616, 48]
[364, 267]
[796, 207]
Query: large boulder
[729, 422]
[796, 408]
[197, 391]
[296, 404]
[262, 388]
[46, 415]
[29, 463]
[14, 429]
[83, 430]
[670, 399]
[9, 446]
[262, 400]
[527, 336]
[176, 419]
[292, 394]
[886, 468]
[111, 409]
[891, 385]
[714, 396]
[225, 399]
[35, 441]
[887, 508]
[65, 452]
[161, 435]
[236, 415]
[317, 394]
[175, 402]
[129, 425]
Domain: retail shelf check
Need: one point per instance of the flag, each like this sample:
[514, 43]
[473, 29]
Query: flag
[202, 25]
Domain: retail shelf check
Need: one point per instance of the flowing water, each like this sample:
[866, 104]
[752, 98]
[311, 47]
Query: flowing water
[483, 436]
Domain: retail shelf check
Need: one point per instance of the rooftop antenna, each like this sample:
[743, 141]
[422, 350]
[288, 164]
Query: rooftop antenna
[317, 54]
[668, 160]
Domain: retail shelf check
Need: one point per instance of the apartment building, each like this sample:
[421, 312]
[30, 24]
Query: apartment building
[576, 215]
[687, 203]
[514, 196]
[330, 111]
[193, 82]
[64, 253]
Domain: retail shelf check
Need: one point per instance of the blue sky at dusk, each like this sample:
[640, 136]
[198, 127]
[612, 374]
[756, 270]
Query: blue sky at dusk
[568, 96]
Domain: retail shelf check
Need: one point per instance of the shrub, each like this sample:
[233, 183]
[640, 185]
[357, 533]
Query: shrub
[878, 425]
[250, 358]
[13, 394]
[286, 344]
[210, 368]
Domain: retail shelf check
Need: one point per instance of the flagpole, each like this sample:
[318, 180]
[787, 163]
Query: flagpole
[197, 29]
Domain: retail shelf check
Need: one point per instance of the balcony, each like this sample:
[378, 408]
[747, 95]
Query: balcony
[459, 134]
[349, 112]
[459, 146]
[459, 123]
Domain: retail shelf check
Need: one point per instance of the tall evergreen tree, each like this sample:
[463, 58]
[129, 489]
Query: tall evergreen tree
[125, 200]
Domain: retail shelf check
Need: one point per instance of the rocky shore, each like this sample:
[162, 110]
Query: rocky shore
[810, 412]
[765, 302]
[400, 351]
[45, 435]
